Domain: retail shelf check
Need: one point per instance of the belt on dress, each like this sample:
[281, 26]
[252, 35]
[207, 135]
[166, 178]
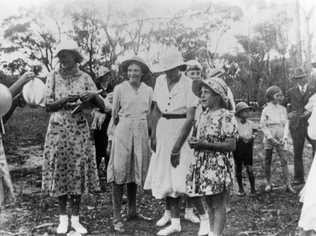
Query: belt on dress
[174, 116]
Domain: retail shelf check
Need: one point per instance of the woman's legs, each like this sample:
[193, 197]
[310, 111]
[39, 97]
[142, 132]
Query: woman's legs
[189, 213]
[217, 213]
[204, 219]
[117, 192]
[238, 170]
[251, 178]
[285, 170]
[131, 194]
[175, 226]
[63, 217]
[268, 159]
[75, 201]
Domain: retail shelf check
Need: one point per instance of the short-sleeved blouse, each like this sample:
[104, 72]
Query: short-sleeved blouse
[130, 102]
[178, 99]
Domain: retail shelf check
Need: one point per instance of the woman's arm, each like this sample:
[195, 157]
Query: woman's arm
[116, 106]
[185, 131]
[229, 145]
[17, 86]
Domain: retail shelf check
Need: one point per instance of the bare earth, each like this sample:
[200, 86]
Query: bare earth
[268, 214]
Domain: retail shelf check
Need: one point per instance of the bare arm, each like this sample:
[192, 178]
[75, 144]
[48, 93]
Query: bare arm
[185, 131]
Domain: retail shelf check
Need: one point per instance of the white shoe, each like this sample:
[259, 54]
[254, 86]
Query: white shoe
[204, 227]
[190, 216]
[175, 227]
[165, 219]
[63, 224]
[75, 224]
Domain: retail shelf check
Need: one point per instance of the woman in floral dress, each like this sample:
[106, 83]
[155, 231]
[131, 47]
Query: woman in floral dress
[211, 173]
[69, 168]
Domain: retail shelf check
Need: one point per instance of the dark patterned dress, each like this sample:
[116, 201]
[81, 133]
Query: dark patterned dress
[69, 165]
[212, 172]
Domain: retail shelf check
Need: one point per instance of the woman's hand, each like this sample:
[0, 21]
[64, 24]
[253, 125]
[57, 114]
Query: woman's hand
[26, 77]
[175, 159]
[72, 98]
[87, 96]
[274, 141]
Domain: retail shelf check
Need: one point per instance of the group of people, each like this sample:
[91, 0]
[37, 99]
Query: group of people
[184, 138]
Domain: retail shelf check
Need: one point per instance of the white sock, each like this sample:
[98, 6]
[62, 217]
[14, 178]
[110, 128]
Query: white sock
[204, 217]
[175, 221]
[188, 210]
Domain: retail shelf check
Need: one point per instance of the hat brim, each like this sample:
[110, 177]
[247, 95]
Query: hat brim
[162, 69]
[301, 76]
[244, 109]
[124, 65]
[197, 85]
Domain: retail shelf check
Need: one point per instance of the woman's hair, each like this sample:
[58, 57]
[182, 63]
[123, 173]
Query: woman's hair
[271, 91]
[75, 54]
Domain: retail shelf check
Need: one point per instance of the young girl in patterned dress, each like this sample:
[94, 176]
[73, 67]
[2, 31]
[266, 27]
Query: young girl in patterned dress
[211, 173]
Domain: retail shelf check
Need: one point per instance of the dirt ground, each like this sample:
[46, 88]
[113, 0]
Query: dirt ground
[268, 214]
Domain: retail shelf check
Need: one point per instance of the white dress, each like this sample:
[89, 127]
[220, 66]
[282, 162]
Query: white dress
[308, 194]
[163, 179]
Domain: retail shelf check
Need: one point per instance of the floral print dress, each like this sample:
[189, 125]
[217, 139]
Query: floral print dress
[212, 172]
[69, 165]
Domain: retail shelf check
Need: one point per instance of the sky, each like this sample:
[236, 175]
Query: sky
[168, 7]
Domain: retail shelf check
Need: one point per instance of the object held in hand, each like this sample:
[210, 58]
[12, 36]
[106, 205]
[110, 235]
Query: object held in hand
[34, 92]
[5, 100]
[84, 105]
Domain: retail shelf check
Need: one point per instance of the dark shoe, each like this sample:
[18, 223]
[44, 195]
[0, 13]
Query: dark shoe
[138, 216]
[240, 193]
[298, 182]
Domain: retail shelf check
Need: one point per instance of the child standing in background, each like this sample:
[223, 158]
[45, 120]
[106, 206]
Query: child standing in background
[274, 124]
[243, 155]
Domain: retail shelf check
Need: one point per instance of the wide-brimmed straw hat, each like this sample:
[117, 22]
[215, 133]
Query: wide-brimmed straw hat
[215, 84]
[193, 65]
[216, 72]
[299, 73]
[124, 65]
[169, 60]
[242, 106]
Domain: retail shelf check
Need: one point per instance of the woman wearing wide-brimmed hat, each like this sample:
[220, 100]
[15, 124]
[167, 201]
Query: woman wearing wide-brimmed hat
[130, 150]
[175, 107]
[211, 172]
[69, 167]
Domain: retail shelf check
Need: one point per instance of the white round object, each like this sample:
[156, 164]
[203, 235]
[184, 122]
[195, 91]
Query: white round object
[34, 92]
[5, 100]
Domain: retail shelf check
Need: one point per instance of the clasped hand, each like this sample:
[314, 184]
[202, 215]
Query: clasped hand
[196, 144]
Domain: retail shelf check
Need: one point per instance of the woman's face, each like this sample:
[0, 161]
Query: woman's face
[278, 97]
[209, 98]
[173, 74]
[134, 73]
[194, 74]
[67, 60]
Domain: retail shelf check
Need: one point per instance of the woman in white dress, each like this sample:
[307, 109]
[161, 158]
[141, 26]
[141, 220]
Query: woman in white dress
[307, 222]
[174, 105]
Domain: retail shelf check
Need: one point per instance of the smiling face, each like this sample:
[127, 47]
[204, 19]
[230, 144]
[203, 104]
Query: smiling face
[209, 98]
[134, 73]
[67, 60]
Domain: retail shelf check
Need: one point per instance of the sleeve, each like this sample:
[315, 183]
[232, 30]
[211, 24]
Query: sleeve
[229, 125]
[191, 99]
[263, 124]
[50, 88]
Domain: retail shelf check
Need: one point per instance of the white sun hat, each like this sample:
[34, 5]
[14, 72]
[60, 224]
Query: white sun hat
[170, 59]
[193, 65]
